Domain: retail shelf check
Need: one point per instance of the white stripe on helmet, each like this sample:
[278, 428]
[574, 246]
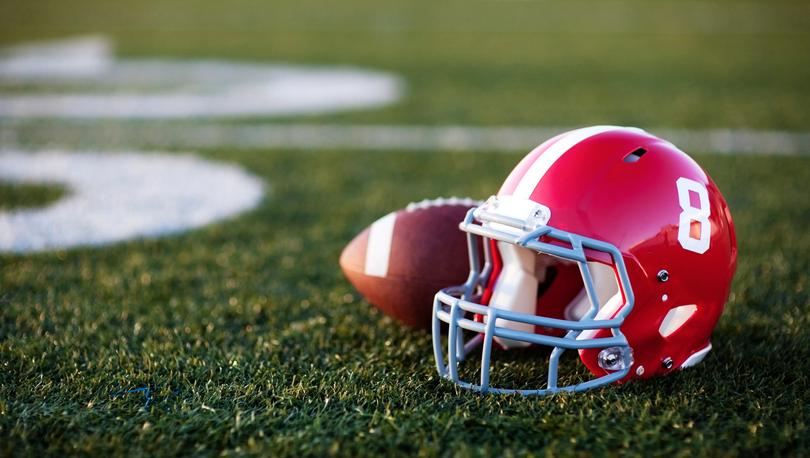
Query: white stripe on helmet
[538, 169]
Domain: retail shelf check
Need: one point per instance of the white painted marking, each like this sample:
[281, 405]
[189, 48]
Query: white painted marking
[172, 89]
[675, 318]
[146, 88]
[115, 197]
[70, 59]
[543, 163]
[378, 249]
[696, 357]
[309, 137]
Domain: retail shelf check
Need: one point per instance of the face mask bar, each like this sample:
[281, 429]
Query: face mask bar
[450, 305]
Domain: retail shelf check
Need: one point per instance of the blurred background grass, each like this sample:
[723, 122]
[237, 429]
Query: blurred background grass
[695, 64]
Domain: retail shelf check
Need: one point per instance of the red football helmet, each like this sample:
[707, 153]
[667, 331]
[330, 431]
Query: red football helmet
[607, 240]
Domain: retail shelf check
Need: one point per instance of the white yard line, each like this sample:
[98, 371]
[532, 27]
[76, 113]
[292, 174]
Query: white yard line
[205, 89]
[370, 137]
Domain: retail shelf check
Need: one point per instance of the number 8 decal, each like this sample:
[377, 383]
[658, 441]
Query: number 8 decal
[691, 215]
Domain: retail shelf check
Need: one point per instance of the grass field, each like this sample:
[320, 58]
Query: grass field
[696, 64]
[244, 338]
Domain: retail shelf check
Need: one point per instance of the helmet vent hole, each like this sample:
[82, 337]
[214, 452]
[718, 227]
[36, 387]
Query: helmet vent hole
[635, 155]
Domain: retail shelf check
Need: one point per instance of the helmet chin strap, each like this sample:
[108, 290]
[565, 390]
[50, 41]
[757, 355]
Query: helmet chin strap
[516, 289]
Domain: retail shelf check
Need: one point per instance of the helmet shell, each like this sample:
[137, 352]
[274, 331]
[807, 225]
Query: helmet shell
[641, 194]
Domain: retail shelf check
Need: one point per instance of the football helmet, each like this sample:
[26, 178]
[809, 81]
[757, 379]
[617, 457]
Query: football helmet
[606, 240]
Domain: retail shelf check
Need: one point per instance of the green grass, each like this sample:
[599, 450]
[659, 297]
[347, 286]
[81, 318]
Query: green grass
[252, 341]
[698, 64]
[27, 195]
[248, 337]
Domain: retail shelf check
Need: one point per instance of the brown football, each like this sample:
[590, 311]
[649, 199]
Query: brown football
[401, 260]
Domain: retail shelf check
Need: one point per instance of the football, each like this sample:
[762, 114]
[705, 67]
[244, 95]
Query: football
[401, 260]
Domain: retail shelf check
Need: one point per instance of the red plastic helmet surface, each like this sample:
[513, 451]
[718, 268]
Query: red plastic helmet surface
[663, 213]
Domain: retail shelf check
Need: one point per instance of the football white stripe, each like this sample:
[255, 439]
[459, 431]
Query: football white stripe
[539, 168]
[378, 249]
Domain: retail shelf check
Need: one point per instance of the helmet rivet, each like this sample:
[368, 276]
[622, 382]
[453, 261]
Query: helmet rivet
[667, 363]
[640, 371]
[662, 275]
